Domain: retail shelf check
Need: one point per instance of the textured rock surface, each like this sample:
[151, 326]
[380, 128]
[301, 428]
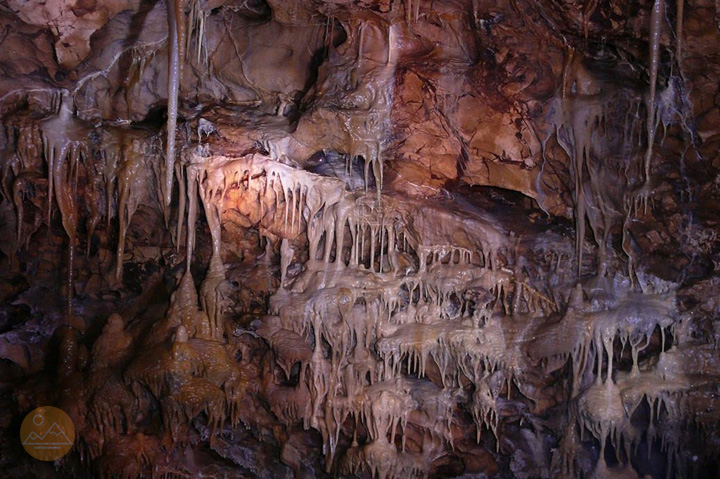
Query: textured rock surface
[405, 238]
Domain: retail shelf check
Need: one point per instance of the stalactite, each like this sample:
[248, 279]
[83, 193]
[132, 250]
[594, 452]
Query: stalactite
[182, 203]
[361, 42]
[192, 179]
[197, 22]
[412, 11]
[64, 139]
[177, 33]
[399, 322]
[656, 21]
[212, 190]
[626, 239]
[680, 13]
[129, 193]
[111, 157]
[423, 313]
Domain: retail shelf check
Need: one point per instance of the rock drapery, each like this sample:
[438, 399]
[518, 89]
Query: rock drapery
[364, 238]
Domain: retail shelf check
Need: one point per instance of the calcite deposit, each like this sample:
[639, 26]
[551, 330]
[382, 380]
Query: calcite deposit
[371, 238]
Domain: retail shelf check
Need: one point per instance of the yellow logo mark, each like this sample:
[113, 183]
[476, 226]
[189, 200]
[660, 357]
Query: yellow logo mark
[47, 433]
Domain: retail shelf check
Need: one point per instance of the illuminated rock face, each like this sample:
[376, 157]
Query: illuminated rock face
[362, 239]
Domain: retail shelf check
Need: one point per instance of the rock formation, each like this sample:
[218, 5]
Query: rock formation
[369, 238]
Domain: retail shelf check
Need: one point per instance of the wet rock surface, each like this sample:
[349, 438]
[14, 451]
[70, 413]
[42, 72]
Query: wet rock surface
[361, 239]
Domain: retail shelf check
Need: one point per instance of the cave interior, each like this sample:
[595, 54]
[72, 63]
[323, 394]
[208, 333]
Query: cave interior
[362, 238]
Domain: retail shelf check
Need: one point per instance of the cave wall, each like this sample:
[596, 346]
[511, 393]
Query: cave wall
[395, 238]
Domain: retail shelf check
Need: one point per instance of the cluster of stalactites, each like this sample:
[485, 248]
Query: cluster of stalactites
[289, 202]
[353, 309]
[108, 163]
[377, 239]
[581, 131]
[279, 198]
[21, 173]
[131, 162]
[605, 408]
[383, 289]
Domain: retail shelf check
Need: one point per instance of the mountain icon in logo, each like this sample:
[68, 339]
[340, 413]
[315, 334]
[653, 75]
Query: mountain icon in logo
[55, 436]
[47, 433]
